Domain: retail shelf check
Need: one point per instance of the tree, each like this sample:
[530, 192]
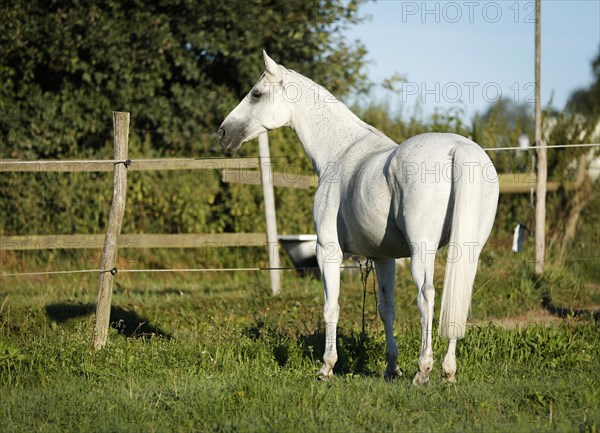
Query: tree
[587, 101]
[177, 65]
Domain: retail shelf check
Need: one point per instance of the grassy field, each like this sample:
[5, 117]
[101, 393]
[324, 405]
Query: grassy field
[195, 352]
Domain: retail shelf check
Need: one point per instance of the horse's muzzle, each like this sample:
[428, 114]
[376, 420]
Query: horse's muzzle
[229, 139]
[221, 133]
[224, 138]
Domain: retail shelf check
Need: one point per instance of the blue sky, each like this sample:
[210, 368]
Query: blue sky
[466, 54]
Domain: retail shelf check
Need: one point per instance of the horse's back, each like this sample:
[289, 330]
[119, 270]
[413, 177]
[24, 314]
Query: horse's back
[432, 146]
[397, 196]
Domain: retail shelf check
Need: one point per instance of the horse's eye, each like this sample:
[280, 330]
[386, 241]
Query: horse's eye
[256, 94]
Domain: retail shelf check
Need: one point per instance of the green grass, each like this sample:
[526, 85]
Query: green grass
[215, 386]
[233, 377]
[206, 352]
[218, 353]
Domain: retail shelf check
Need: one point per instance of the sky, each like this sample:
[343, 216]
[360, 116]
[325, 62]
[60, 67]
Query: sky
[465, 55]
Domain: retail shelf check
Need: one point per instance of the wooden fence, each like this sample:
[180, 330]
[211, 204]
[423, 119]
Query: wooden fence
[113, 239]
[253, 171]
[234, 170]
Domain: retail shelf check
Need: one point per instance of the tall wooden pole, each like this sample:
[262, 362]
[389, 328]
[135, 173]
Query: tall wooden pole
[270, 215]
[115, 219]
[542, 164]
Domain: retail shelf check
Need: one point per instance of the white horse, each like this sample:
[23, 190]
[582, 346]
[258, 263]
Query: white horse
[381, 200]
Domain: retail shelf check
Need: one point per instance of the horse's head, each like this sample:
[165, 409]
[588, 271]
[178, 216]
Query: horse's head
[264, 108]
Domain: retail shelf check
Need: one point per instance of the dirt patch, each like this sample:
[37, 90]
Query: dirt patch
[595, 287]
[535, 317]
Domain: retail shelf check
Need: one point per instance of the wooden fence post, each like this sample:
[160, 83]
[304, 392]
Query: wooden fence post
[542, 164]
[109, 253]
[269, 197]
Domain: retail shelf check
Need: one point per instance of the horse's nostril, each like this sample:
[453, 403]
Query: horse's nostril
[221, 133]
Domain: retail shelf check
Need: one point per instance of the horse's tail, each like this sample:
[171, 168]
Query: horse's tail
[463, 248]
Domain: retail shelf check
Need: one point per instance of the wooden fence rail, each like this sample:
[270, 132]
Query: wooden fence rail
[234, 170]
[510, 183]
[136, 165]
[187, 240]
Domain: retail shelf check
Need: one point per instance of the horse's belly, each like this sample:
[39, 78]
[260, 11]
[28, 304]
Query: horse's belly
[391, 246]
[371, 235]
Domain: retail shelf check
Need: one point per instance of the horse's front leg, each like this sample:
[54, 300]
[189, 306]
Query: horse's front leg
[329, 256]
[386, 273]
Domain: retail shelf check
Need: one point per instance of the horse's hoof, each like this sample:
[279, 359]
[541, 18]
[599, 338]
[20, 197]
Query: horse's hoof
[325, 374]
[421, 379]
[392, 374]
[448, 378]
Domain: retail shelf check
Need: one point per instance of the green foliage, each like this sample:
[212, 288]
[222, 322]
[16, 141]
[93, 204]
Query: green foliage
[501, 126]
[178, 66]
[587, 101]
[582, 257]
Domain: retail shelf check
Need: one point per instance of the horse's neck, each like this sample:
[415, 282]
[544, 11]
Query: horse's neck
[324, 125]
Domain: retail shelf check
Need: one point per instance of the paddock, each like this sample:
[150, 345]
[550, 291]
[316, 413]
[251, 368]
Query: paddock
[213, 348]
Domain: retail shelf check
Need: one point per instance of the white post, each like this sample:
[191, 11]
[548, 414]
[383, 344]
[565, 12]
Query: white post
[270, 215]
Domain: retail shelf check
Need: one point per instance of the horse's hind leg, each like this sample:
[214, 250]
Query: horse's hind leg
[449, 364]
[421, 266]
[386, 272]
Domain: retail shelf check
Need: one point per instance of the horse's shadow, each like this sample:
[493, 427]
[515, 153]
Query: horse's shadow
[562, 311]
[357, 352]
[126, 322]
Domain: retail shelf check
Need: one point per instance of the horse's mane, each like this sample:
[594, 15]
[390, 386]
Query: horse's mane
[328, 94]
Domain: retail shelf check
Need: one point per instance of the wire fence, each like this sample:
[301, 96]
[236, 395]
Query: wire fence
[116, 271]
[175, 160]
[554, 146]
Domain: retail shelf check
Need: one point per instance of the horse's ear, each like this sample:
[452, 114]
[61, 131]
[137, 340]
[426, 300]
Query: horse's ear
[272, 68]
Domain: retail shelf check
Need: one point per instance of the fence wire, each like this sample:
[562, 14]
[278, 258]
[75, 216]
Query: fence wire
[99, 161]
[116, 271]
